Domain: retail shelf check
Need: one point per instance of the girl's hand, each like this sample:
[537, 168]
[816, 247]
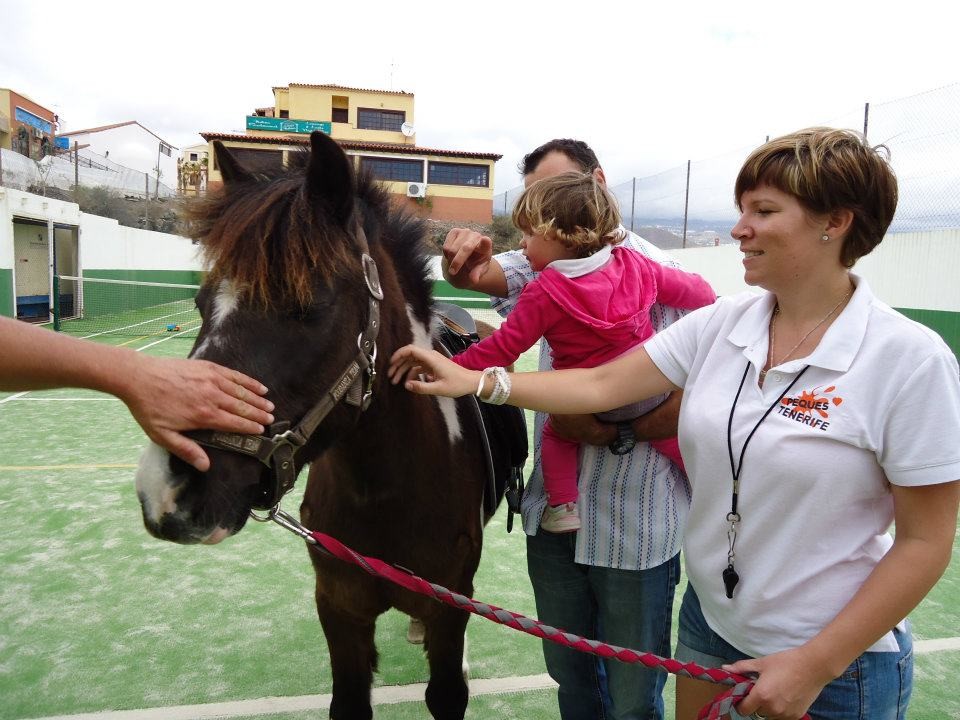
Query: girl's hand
[427, 372]
[789, 683]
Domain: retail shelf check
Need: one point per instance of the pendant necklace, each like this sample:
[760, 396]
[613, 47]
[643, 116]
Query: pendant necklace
[773, 328]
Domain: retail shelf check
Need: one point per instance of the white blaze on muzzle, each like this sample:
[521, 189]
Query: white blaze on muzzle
[158, 489]
[156, 485]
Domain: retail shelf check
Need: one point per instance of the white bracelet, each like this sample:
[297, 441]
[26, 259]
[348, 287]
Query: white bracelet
[501, 386]
[483, 379]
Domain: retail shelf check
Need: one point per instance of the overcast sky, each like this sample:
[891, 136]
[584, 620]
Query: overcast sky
[647, 84]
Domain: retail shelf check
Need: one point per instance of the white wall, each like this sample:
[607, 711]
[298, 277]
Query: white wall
[916, 270]
[104, 243]
[15, 203]
[907, 270]
[721, 266]
[107, 245]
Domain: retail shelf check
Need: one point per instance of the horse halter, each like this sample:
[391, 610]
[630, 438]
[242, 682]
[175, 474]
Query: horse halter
[278, 446]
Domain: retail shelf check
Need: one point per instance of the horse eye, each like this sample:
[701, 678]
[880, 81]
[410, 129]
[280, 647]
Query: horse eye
[309, 314]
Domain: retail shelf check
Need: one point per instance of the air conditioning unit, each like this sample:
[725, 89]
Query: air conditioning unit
[37, 133]
[416, 189]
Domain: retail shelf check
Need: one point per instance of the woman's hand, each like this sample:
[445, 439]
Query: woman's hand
[787, 686]
[427, 372]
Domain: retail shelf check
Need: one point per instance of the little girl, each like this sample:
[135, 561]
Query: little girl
[591, 302]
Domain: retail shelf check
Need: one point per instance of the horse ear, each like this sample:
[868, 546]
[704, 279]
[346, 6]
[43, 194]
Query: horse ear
[230, 169]
[330, 175]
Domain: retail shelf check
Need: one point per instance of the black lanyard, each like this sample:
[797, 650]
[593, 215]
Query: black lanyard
[730, 576]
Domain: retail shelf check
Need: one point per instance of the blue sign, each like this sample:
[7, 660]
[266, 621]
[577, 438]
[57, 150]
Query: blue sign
[63, 143]
[255, 122]
[28, 118]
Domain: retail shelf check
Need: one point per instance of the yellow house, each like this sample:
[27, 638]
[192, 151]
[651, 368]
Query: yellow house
[377, 129]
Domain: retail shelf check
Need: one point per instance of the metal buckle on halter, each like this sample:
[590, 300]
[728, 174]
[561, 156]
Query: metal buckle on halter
[371, 276]
[283, 467]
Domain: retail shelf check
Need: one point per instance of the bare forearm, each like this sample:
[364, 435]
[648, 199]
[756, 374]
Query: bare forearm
[34, 358]
[661, 422]
[895, 587]
[926, 520]
[790, 681]
[569, 392]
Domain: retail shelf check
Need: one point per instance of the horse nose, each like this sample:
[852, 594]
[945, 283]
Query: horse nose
[170, 528]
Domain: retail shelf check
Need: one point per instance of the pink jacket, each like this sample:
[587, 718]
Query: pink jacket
[591, 319]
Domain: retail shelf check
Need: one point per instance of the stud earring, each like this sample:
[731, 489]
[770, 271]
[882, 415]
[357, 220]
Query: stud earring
[824, 238]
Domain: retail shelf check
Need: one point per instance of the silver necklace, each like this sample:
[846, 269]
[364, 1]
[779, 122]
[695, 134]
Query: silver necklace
[773, 335]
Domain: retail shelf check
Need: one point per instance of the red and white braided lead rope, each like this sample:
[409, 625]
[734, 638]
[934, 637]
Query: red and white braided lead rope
[720, 706]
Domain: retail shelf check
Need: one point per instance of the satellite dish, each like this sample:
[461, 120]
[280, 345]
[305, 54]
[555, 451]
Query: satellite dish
[407, 129]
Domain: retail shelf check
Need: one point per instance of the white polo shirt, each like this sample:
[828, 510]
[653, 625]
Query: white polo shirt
[879, 404]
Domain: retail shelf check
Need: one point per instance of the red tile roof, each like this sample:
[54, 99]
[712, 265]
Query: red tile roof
[349, 145]
[342, 87]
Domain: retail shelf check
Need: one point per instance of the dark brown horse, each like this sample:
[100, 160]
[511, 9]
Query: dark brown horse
[293, 299]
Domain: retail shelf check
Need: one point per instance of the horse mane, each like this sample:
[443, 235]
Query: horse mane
[276, 243]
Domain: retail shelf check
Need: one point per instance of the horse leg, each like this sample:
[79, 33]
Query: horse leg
[353, 660]
[447, 691]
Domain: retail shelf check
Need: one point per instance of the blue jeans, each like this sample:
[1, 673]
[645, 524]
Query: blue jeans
[876, 686]
[629, 608]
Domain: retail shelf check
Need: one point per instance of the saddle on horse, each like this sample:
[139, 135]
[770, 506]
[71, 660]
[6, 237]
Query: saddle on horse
[504, 426]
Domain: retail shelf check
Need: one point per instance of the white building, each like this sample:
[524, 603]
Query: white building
[132, 145]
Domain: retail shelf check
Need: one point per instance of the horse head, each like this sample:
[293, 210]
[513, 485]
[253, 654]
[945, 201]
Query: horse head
[291, 298]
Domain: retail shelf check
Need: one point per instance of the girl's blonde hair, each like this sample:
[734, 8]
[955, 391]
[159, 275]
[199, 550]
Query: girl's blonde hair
[573, 209]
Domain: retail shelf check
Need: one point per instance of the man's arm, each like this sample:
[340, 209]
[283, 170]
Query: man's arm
[658, 424]
[165, 395]
[468, 263]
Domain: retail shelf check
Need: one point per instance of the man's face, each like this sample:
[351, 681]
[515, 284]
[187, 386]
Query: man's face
[553, 163]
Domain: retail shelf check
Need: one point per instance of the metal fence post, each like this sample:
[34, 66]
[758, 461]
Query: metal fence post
[56, 303]
[633, 201]
[686, 205]
[866, 119]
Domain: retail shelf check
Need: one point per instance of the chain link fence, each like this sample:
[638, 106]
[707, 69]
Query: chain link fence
[56, 175]
[692, 204]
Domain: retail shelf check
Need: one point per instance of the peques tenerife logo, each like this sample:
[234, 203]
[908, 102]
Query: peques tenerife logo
[811, 408]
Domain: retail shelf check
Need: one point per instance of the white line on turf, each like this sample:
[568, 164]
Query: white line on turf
[381, 696]
[923, 647]
[275, 705]
[128, 327]
[14, 397]
[64, 399]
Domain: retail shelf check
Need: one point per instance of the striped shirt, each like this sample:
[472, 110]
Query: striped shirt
[632, 507]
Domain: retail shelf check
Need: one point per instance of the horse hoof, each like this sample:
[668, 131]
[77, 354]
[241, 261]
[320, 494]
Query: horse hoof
[415, 632]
